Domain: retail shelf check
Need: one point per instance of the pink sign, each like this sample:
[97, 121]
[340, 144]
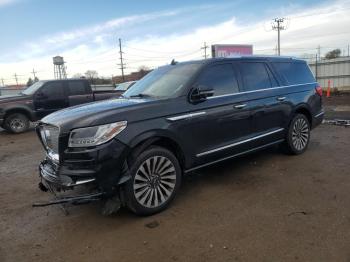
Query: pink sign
[231, 50]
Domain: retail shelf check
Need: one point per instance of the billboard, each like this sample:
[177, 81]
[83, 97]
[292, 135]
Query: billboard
[231, 50]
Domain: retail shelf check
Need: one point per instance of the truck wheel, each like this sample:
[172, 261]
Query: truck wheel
[16, 123]
[298, 135]
[155, 179]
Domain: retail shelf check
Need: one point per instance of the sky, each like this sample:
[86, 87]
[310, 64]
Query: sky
[86, 32]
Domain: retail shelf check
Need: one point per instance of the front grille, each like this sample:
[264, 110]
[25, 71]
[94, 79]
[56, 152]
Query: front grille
[49, 135]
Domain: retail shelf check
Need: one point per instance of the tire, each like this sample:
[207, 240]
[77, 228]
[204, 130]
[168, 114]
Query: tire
[298, 136]
[155, 180]
[16, 123]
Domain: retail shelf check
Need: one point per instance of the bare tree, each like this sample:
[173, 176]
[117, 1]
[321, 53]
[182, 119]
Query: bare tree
[333, 54]
[91, 74]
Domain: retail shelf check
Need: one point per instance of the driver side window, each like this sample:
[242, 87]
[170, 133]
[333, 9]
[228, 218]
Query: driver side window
[53, 90]
[221, 78]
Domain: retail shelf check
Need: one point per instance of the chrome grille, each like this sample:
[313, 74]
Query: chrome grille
[49, 135]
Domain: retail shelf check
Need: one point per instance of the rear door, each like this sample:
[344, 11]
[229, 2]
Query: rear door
[267, 106]
[220, 121]
[50, 98]
[78, 92]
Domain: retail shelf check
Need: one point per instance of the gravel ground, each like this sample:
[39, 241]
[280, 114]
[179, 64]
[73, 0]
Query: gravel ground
[262, 207]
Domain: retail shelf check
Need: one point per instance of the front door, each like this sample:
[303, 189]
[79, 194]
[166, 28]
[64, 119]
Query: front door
[215, 126]
[50, 98]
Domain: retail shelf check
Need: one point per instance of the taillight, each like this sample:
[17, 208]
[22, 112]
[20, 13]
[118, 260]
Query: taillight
[319, 90]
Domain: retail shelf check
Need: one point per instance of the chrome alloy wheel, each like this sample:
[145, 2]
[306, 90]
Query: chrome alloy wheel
[154, 181]
[17, 124]
[300, 134]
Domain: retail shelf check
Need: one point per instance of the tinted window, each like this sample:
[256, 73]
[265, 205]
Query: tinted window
[76, 88]
[255, 76]
[53, 89]
[221, 78]
[272, 78]
[295, 72]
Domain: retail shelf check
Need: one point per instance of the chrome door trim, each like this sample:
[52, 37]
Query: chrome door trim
[260, 90]
[235, 155]
[319, 114]
[239, 143]
[190, 115]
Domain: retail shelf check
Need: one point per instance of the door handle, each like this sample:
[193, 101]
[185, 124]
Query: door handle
[240, 106]
[281, 98]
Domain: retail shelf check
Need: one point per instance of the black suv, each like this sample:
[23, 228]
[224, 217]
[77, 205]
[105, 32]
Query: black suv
[178, 118]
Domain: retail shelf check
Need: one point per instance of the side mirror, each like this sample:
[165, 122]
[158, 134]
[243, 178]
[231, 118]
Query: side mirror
[40, 95]
[200, 94]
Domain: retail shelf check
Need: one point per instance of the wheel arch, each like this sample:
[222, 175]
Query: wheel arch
[158, 138]
[19, 110]
[305, 110]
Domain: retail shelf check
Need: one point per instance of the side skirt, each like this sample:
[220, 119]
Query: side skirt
[236, 155]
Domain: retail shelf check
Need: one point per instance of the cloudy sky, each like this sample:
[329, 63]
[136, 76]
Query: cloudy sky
[86, 32]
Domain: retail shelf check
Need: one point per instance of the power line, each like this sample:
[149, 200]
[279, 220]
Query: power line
[277, 25]
[122, 65]
[205, 46]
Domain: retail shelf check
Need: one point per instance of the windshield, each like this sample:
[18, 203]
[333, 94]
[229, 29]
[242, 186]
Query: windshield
[164, 82]
[32, 89]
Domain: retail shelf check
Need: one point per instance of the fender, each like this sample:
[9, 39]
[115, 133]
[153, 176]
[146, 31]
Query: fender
[141, 142]
[21, 109]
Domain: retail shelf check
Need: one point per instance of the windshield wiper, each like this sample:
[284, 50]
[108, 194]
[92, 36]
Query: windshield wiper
[141, 95]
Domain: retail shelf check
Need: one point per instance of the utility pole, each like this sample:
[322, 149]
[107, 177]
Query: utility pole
[316, 69]
[319, 51]
[16, 77]
[348, 50]
[121, 58]
[34, 74]
[2, 81]
[277, 26]
[205, 46]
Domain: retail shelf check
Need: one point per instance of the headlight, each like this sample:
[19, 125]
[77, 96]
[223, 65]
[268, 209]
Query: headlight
[96, 135]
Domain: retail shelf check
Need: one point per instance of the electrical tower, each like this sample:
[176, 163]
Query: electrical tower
[122, 65]
[16, 78]
[34, 74]
[205, 46]
[59, 68]
[277, 25]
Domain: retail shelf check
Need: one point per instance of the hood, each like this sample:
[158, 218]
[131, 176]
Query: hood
[91, 114]
[12, 98]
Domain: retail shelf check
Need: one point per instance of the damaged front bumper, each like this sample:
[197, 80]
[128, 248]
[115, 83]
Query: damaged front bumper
[100, 170]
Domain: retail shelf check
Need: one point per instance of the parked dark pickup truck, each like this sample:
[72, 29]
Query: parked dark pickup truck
[45, 97]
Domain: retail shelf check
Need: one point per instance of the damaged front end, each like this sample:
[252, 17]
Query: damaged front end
[95, 172]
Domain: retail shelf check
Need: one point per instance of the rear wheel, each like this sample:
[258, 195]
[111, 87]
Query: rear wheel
[156, 177]
[298, 135]
[16, 123]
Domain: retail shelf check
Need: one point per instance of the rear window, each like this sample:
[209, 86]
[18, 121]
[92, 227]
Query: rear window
[255, 76]
[76, 88]
[294, 72]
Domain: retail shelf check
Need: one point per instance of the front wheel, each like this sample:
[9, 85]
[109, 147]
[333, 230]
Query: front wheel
[16, 123]
[155, 179]
[298, 135]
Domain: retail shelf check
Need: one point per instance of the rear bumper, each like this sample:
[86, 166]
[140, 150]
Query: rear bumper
[100, 167]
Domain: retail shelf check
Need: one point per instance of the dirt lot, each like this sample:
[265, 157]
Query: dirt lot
[263, 207]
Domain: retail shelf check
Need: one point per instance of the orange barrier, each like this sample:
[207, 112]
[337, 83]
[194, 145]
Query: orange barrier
[329, 88]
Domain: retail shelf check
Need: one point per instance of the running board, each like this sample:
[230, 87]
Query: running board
[236, 155]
